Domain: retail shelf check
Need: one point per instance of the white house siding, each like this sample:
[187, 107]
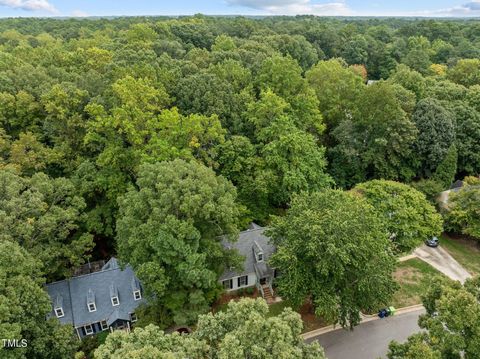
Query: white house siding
[252, 279]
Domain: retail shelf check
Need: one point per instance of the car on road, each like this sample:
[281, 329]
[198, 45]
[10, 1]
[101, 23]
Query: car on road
[432, 242]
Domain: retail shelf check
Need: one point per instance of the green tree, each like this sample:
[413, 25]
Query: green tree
[169, 230]
[430, 188]
[293, 161]
[208, 94]
[408, 216]
[416, 347]
[337, 88]
[436, 135]
[468, 139]
[376, 142]
[64, 124]
[27, 155]
[409, 79]
[151, 342]
[447, 169]
[463, 213]
[243, 330]
[23, 308]
[239, 162]
[452, 323]
[44, 216]
[355, 51]
[333, 249]
[466, 72]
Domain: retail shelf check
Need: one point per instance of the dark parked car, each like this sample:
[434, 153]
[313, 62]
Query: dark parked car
[433, 242]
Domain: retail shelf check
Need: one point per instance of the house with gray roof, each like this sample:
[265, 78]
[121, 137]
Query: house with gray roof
[98, 301]
[256, 249]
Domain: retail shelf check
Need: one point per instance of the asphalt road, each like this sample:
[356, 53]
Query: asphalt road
[369, 340]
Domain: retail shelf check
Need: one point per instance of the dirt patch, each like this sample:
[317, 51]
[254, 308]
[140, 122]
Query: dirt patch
[227, 297]
[310, 320]
[406, 275]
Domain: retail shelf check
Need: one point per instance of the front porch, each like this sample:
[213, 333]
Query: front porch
[265, 276]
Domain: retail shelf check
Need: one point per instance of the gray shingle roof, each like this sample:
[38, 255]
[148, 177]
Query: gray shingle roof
[74, 293]
[244, 245]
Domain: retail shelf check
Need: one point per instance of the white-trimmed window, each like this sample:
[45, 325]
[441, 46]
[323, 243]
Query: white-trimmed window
[137, 295]
[59, 312]
[227, 284]
[88, 329]
[104, 325]
[92, 307]
[115, 301]
[242, 281]
[260, 257]
[133, 317]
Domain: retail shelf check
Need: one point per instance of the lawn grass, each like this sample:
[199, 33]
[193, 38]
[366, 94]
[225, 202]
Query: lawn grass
[465, 251]
[414, 277]
[276, 308]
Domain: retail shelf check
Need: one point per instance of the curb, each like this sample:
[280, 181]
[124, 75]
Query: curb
[406, 258]
[365, 319]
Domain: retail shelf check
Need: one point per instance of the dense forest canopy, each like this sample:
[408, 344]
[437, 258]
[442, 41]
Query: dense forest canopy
[276, 105]
[112, 125]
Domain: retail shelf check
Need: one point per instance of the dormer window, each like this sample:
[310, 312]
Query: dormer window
[114, 295]
[58, 306]
[137, 294]
[257, 251]
[91, 301]
[59, 312]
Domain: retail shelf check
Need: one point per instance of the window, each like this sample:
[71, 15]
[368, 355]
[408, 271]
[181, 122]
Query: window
[103, 325]
[92, 307]
[137, 295]
[227, 284]
[133, 317]
[59, 312]
[115, 301]
[242, 281]
[88, 329]
[259, 257]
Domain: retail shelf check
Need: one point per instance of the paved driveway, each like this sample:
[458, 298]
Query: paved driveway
[441, 260]
[369, 340]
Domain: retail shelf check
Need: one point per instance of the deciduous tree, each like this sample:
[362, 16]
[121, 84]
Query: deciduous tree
[24, 306]
[409, 217]
[452, 323]
[463, 213]
[44, 216]
[436, 135]
[243, 330]
[169, 230]
[333, 249]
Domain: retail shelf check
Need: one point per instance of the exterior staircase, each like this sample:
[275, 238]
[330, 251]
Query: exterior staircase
[268, 294]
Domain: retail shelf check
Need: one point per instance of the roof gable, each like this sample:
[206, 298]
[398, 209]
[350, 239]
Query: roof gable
[76, 294]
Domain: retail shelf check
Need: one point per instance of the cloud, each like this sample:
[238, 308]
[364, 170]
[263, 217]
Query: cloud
[471, 8]
[295, 7]
[473, 5]
[29, 5]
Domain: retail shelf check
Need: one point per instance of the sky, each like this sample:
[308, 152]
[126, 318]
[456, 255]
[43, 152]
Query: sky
[79, 8]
